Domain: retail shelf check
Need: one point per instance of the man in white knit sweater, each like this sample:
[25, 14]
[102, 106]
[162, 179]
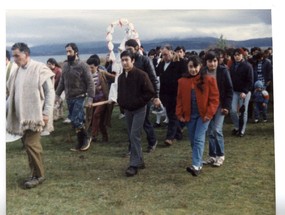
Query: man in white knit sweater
[31, 97]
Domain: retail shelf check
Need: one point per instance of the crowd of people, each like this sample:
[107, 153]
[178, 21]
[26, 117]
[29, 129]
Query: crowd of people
[192, 90]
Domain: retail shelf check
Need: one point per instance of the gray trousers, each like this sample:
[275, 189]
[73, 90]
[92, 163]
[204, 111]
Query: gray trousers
[135, 121]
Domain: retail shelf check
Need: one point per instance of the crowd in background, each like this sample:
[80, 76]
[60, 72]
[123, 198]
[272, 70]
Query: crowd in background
[187, 89]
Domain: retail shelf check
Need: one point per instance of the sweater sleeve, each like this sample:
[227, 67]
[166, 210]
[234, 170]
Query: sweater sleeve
[49, 97]
[88, 81]
[147, 92]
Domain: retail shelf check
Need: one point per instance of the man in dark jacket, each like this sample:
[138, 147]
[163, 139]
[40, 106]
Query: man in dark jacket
[215, 130]
[144, 63]
[170, 70]
[242, 78]
[134, 92]
[76, 81]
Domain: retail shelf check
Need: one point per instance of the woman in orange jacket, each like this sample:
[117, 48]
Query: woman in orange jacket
[197, 102]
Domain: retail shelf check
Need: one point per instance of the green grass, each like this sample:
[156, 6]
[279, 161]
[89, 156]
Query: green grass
[94, 182]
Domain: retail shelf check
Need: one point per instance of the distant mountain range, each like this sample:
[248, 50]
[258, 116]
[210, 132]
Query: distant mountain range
[197, 43]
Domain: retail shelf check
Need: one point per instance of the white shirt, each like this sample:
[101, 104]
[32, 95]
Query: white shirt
[14, 67]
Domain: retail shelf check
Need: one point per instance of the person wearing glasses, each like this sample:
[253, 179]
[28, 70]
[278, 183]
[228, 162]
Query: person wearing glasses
[31, 98]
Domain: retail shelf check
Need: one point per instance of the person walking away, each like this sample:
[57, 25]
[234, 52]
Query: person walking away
[31, 98]
[76, 81]
[135, 90]
[197, 103]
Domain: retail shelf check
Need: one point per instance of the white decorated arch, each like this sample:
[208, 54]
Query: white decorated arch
[130, 33]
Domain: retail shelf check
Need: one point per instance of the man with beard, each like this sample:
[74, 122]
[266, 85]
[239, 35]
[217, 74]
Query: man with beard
[76, 81]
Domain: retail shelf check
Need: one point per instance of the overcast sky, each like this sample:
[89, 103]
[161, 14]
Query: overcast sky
[56, 26]
[42, 26]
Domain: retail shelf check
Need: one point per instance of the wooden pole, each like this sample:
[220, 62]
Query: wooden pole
[100, 103]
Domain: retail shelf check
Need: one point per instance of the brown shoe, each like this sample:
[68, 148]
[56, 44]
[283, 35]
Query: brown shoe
[168, 142]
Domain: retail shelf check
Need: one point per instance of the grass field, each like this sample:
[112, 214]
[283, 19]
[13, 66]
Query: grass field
[94, 182]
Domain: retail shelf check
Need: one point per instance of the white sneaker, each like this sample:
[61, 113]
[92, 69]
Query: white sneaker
[209, 160]
[219, 161]
[45, 133]
[166, 121]
[67, 121]
[121, 116]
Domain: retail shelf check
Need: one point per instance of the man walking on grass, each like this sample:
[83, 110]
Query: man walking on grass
[76, 81]
[31, 97]
[134, 92]
[144, 63]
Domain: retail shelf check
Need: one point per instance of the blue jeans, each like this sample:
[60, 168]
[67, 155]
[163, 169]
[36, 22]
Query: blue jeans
[258, 107]
[135, 120]
[237, 102]
[197, 133]
[215, 135]
[76, 112]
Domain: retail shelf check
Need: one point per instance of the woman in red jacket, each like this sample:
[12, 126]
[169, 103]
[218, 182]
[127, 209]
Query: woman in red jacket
[197, 102]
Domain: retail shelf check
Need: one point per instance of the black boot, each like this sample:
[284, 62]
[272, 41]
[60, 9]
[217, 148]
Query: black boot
[85, 140]
[80, 140]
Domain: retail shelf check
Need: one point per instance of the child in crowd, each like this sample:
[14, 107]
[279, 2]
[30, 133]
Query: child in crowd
[197, 103]
[99, 117]
[260, 98]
